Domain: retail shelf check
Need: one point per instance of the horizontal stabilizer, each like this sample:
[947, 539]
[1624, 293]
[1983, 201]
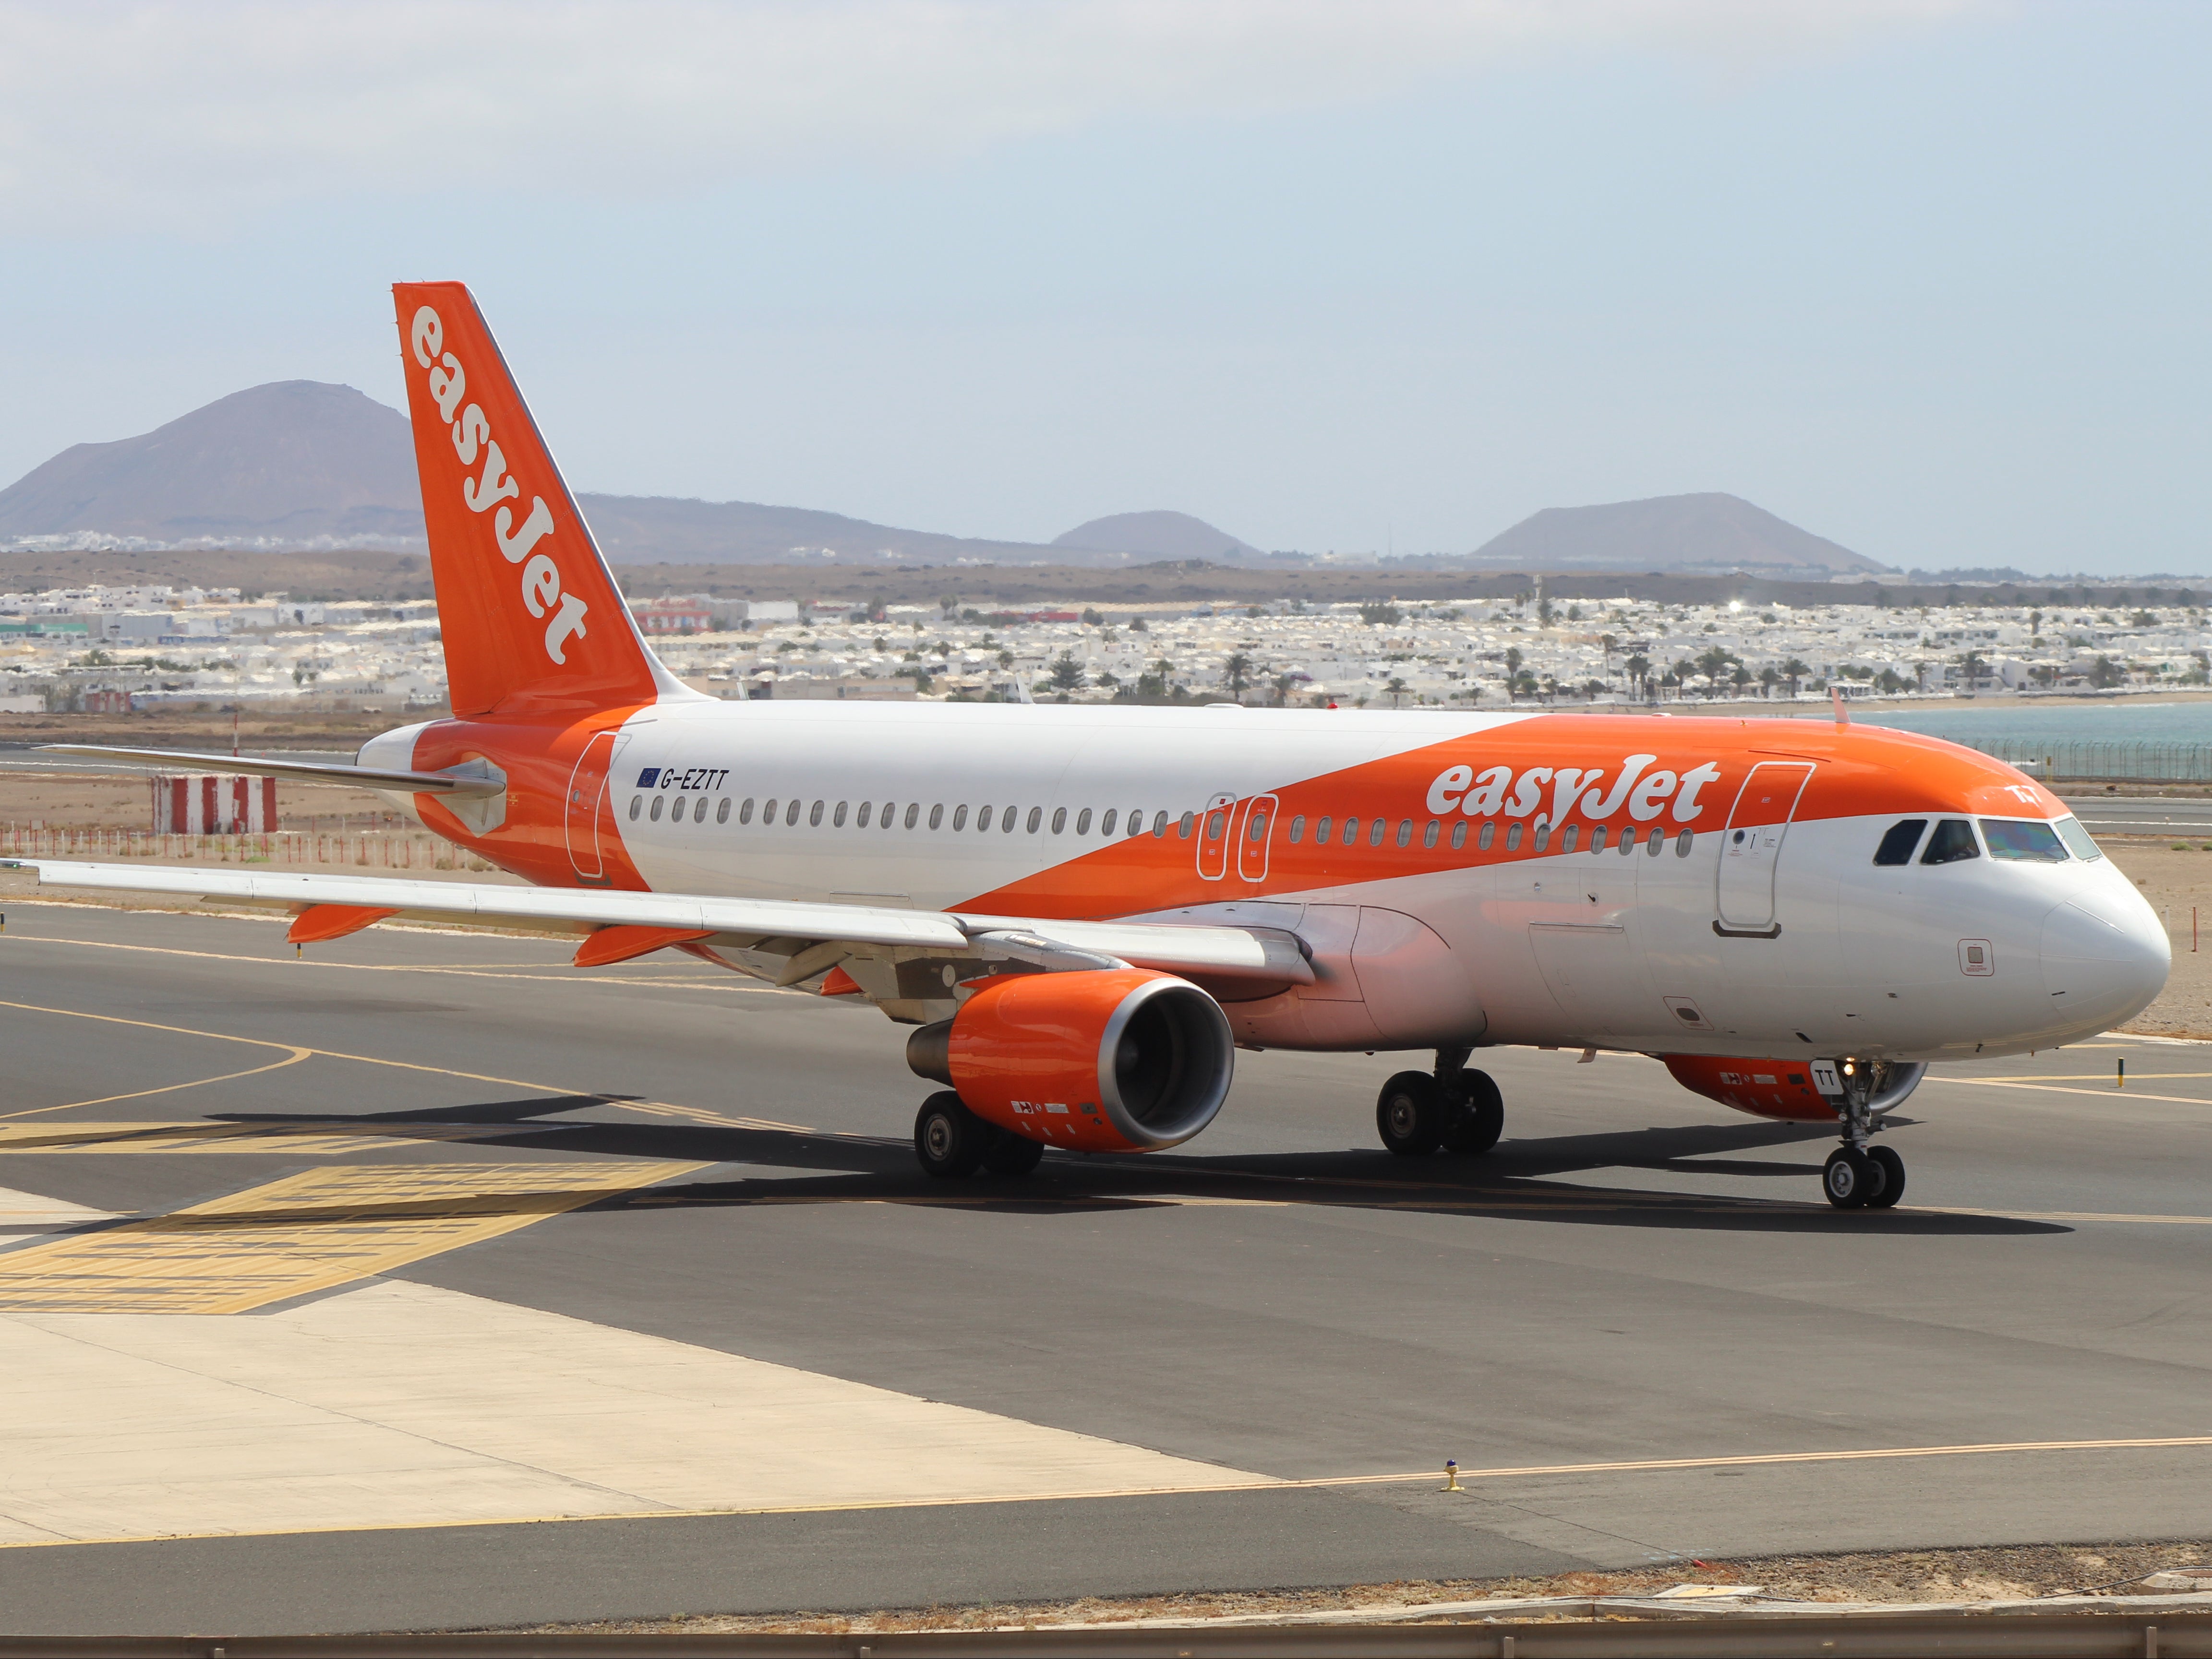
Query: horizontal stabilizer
[458, 784]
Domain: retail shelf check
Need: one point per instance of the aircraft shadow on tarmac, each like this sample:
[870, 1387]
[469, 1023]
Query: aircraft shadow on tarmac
[1511, 1181]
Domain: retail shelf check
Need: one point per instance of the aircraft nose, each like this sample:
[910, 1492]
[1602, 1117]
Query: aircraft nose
[2104, 958]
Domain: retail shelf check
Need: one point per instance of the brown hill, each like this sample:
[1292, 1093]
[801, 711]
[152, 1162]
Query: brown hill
[1711, 534]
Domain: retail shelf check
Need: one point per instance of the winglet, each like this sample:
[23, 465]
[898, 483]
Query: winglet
[1836, 698]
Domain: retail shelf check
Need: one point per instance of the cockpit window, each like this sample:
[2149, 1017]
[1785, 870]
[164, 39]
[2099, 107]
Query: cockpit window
[1953, 839]
[2028, 838]
[2071, 832]
[1897, 846]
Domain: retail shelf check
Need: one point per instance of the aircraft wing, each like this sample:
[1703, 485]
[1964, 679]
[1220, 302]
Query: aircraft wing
[808, 936]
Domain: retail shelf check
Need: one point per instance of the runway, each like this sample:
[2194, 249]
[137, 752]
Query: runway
[427, 1281]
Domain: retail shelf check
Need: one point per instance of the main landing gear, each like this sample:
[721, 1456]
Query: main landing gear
[1857, 1176]
[951, 1141]
[1458, 1110]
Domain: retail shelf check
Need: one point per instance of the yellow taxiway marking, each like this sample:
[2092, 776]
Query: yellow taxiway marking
[695, 1114]
[305, 1233]
[718, 980]
[202, 1134]
[1527, 1471]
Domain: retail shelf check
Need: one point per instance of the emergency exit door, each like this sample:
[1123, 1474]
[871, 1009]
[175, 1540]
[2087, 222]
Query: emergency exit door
[1751, 845]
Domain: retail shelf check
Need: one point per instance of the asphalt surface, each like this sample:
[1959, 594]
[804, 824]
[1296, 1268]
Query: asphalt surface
[2143, 815]
[1634, 1275]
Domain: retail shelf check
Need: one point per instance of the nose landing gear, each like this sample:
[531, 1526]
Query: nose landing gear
[1857, 1176]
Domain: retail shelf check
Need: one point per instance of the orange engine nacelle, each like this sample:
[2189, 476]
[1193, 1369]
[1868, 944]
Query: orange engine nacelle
[1765, 1088]
[1095, 1060]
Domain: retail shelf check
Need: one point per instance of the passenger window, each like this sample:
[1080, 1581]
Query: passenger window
[659, 801]
[1321, 830]
[1458, 835]
[1213, 826]
[1567, 841]
[1489, 834]
[1006, 819]
[2024, 840]
[867, 811]
[1374, 832]
[1657, 841]
[1297, 829]
[1106, 823]
[960, 818]
[814, 817]
[937, 815]
[722, 812]
[1682, 843]
[1898, 841]
[1429, 835]
[1186, 824]
[1255, 830]
[767, 812]
[744, 811]
[982, 818]
[1952, 841]
[2070, 831]
[699, 811]
[890, 813]
[913, 813]
[1543, 836]
[837, 818]
[1082, 821]
[1059, 819]
[1159, 824]
[1597, 839]
[1036, 816]
[1512, 838]
[1404, 831]
[790, 813]
[637, 805]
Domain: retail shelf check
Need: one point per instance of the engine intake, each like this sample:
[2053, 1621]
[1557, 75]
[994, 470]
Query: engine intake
[1107, 1059]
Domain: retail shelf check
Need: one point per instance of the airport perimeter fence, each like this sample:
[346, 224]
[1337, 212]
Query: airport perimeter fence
[367, 852]
[2090, 761]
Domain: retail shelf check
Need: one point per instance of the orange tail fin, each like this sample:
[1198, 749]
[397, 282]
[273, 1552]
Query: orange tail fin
[532, 617]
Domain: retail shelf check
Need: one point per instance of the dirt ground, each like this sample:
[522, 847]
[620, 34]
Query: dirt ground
[2020, 1572]
[2176, 882]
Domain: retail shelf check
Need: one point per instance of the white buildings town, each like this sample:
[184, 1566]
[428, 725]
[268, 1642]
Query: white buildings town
[188, 647]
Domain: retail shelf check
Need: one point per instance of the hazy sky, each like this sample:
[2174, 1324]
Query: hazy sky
[1926, 276]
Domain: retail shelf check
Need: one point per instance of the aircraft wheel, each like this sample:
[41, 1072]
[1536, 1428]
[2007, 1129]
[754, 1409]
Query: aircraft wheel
[1409, 1114]
[949, 1140]
[1850, 1179]
[1012, 1154]
[1892, 1177]
[1474, 1115]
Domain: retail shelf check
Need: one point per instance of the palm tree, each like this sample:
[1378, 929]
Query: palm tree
[1512, 671]
[1768, 678]
[1237, 671]
[1285, 685]
[1793, 671]
[1638, 669]
[1714, 662]
[1685, 670]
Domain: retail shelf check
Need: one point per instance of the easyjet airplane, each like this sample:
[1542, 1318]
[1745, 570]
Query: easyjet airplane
[1082, 911]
